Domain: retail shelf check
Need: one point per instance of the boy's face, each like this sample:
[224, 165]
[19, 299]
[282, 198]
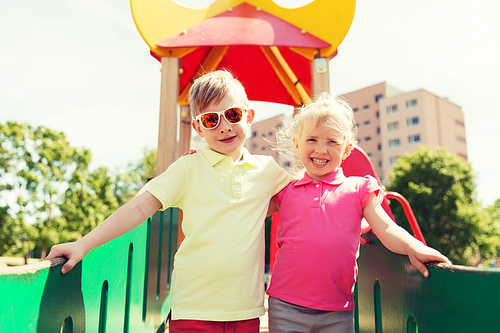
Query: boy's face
[321, 150]
[227, 138]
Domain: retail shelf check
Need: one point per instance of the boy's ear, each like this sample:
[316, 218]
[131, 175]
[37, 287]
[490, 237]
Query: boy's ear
[250, 116]
[196, 127]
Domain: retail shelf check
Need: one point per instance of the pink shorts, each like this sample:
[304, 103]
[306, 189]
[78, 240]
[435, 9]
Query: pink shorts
[204, 326]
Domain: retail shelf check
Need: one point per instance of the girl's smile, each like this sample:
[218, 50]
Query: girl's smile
[321, 150]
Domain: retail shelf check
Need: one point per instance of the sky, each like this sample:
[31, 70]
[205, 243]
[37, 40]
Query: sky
[82, 68]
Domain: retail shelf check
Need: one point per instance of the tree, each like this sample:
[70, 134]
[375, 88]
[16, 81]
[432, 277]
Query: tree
[36, 164]
[440, 188]
[491, 227]
[47, 193]
[128, 183]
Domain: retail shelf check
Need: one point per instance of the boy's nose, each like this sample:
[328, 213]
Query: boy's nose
[224, 126]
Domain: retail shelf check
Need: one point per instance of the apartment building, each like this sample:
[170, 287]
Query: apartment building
[391, 122]
[262, 136]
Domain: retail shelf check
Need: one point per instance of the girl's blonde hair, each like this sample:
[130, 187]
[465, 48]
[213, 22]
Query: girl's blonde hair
[325, 110]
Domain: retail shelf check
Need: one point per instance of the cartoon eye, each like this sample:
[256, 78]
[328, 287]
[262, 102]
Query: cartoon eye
[199, 4]
[194, 4]
[292, 3]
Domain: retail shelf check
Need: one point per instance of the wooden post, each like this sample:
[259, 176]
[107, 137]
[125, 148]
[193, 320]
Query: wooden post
[167, 132]
[320, 76]
[185, 130]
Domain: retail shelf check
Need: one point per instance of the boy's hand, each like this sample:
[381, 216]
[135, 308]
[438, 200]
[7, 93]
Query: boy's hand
[365, 228]
[419, 254]
[72, 251]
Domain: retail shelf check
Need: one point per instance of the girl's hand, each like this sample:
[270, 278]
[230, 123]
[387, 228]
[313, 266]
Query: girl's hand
[419, 254]
[74, 252]
[189, 152]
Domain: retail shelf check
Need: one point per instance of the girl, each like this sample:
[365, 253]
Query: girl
[315, 271]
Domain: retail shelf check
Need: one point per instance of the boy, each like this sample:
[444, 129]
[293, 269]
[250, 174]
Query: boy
[224, 192]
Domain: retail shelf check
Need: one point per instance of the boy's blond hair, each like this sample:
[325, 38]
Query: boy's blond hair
[213, 87]
[325, 110]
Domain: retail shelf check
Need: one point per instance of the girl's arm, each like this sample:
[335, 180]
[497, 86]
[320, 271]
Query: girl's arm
[124, 219]
[273, 206]
[398, 239]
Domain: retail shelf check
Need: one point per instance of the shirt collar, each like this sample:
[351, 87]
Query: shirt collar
[335, 178]
[214, 157]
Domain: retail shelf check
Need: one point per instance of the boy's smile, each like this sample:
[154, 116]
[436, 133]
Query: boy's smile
[227, 138]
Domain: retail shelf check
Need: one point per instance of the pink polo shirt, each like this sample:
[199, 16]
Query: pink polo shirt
[318, 240]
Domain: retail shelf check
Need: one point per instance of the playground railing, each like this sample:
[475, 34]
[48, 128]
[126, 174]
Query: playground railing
[121, 286]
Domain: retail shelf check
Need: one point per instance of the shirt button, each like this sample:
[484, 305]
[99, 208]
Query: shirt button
[316, 199]
[317, 185]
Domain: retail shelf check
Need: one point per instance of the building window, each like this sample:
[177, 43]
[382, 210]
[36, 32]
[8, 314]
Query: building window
[380, 164]
[369, 155]
[368, 139]
[393, 126]
[379, 147]
[392, 108]
[263, 148]
[394, 143]
[254, 134]
[411, 104]
[377, 114]
[271, 134]
[394, 160]
[413, 121]
[287, 164]
[378, 130]
[378, 97]
[355, 110]
[366, 107]
[254, 146]
[414, 138]
[366, 123]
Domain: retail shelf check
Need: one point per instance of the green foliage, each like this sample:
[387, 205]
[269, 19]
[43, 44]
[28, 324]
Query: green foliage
[490, 225]
[130, 182]
[36, 163]
[48, 195]
[440, 188]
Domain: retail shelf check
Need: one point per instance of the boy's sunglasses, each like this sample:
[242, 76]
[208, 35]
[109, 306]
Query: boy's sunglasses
[210, 120]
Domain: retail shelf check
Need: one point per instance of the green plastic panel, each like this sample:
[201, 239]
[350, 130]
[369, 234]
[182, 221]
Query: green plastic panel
[121, 286]
[394, 297]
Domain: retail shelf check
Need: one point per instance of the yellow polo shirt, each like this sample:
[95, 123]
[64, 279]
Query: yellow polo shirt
[219, 268]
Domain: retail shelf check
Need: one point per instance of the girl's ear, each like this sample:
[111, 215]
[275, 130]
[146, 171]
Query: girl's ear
[296, 144]
[197, 128]
[347, 151]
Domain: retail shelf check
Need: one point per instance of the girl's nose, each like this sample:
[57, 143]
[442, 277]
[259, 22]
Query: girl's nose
[320, 149]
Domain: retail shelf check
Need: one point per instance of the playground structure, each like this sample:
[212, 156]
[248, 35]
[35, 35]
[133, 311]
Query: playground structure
[280, 55]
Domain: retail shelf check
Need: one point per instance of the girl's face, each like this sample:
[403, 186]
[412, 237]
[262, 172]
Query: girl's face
[321, 150]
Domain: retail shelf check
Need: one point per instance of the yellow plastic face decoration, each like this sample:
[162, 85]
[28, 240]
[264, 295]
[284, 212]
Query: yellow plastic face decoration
[157, 20]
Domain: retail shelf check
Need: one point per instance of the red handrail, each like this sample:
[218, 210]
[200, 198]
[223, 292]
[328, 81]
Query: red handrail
[409, 214]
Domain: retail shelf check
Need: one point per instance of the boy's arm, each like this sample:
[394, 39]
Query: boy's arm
[124, 219]
[398, 239]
